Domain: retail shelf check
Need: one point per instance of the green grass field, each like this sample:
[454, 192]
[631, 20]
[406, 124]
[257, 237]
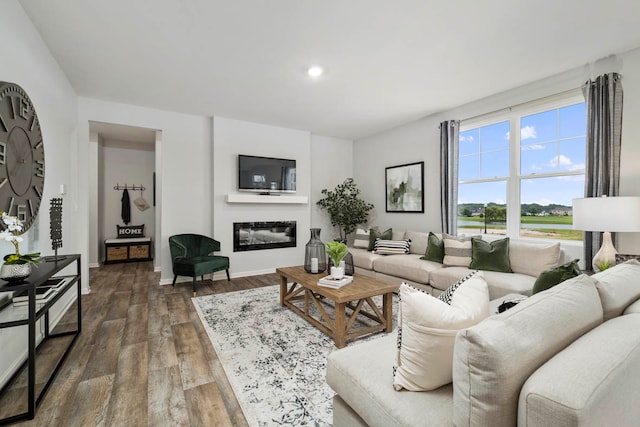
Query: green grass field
[545, 233]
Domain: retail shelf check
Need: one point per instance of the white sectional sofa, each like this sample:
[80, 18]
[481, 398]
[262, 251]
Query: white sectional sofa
[567, 356]
[528, 259]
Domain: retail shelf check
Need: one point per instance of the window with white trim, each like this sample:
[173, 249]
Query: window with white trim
[519, 170]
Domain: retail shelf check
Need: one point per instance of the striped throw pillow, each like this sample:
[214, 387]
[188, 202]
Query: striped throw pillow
[457, 251]
[392, 247]
[362, 238]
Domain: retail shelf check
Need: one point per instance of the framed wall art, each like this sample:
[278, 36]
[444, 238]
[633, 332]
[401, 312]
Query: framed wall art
[405, 188]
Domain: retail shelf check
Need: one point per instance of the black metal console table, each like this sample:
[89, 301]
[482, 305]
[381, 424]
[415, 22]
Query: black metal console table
[12, 316]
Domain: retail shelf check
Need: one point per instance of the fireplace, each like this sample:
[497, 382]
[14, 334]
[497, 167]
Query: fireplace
[254, 236]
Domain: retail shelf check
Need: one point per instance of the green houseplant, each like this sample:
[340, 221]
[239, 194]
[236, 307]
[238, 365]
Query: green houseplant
[336, 251]
[346, 209]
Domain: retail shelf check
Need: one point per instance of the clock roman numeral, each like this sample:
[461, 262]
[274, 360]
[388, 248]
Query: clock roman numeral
[22, 212]
[11, 199]
[37, 190]
[3, 153]
[24, 108]
[38, 168]
[30, 208]
[4, 124]
[38, 145]
[34, 122]
[4, 181]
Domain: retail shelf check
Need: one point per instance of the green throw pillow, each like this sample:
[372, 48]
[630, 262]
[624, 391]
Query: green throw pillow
[435, 249]
[490, 256]
[375, 234]
[551, 277]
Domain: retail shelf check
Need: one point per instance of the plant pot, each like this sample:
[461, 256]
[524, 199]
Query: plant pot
[15, 272]
[337, 272]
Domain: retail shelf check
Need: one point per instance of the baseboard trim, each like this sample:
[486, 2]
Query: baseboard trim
[94, 265]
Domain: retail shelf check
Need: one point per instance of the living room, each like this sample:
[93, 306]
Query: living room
[196, 158]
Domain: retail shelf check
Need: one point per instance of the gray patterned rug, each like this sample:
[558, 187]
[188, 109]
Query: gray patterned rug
[274, 360]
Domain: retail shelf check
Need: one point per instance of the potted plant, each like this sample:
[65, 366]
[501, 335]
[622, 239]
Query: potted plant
[337, 251]
[16, 266]
[346, 209]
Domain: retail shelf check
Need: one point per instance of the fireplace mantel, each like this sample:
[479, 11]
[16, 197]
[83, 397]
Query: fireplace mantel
[261, 198]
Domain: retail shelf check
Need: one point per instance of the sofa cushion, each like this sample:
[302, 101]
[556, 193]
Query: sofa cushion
[492, 256]
[595, 381]
[435, 249]
[633, 308]
[418, 241]
[551, 277]
[363, 258]
[447, 295]
[457, 251]
[361, 375]
[618, 287]
[493, 359]
[392, 247]
[532, 258]
[427, 328]
[361, 241]
[502, 284]
[409, 267]
[374, 234]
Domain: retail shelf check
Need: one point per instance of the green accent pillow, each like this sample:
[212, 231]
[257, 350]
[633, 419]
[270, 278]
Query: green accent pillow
[553, 276]
[435, 249]
[375, 234]
[490, 256]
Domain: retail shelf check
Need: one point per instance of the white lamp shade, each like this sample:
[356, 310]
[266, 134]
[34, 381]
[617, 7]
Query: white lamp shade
[617, 214]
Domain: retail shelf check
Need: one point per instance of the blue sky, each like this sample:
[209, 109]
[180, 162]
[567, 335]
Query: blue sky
[552, 141]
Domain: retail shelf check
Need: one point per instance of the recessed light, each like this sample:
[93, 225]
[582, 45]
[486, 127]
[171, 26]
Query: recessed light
[315, 71]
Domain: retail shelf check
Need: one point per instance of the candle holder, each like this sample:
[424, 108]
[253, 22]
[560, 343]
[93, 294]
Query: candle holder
[315, 255]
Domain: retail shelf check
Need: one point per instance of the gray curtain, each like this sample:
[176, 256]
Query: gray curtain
[603, 98]
[449, 133]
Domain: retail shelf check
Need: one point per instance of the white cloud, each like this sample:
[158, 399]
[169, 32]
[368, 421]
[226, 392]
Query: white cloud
[527, 132]
[500, 202]
[507, 135]
[469, 138]
[559, 160]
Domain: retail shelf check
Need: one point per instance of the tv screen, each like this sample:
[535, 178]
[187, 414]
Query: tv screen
[266, 174]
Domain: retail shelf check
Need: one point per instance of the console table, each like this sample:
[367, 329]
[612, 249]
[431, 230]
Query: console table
[30, 314]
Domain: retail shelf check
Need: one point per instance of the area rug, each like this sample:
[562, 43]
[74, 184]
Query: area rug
[274, 359]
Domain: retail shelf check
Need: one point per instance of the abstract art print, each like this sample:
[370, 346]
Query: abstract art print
[405, 188]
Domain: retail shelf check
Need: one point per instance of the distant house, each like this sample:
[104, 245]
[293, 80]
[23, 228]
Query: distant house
[562, 212]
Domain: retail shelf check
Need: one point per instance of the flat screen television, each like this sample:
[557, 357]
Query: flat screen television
[266, 174]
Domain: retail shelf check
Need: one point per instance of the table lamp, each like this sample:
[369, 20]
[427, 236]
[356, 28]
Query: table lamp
[606, 214]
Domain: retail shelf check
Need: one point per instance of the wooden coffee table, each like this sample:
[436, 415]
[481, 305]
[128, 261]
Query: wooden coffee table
[298, 285]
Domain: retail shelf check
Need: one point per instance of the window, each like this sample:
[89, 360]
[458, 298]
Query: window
[518, 171]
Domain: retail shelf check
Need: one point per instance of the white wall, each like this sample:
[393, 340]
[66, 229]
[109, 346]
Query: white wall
[419, 140]
[233, 137]
[29, 64]
[183, 170]
[131, 164]
[332, 163]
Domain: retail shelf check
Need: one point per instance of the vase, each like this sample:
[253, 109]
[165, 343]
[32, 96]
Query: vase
[15, 272]
[337, 272]
[315, 255]
[346, 263]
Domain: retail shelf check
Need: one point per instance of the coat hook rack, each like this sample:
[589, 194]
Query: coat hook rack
[129, 187]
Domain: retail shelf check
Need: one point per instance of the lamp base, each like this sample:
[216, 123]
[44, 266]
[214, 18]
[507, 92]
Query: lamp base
[606, 256]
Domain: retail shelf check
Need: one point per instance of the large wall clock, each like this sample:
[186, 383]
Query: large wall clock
[21, 155]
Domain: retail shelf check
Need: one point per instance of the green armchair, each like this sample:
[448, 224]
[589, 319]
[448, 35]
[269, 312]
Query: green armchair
[192, 255]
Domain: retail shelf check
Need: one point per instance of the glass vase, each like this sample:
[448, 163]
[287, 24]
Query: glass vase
[315, 255]
[346, 263]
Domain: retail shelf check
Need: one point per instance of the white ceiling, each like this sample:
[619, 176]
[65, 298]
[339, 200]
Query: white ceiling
[388, 62]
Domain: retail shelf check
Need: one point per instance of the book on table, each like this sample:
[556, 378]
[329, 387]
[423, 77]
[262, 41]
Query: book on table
[330, 282]
[43, 293]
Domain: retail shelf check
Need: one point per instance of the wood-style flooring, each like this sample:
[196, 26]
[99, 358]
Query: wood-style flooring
[143, 357]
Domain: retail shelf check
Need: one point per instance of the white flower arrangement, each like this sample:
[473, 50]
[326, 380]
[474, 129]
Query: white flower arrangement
[11, 233]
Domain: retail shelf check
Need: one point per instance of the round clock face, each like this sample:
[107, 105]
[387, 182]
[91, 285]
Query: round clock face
[21, 155]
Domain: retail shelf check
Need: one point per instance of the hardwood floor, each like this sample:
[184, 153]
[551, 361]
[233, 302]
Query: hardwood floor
[143, 357]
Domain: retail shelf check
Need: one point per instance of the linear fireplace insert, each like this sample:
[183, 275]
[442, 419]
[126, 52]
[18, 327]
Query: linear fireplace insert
[254, 236]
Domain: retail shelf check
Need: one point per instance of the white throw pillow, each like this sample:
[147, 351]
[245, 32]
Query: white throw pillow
[457, 251]
[427, 328]
[362, 238]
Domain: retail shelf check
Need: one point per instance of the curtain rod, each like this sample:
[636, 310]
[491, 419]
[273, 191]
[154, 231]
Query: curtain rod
[521, 104]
